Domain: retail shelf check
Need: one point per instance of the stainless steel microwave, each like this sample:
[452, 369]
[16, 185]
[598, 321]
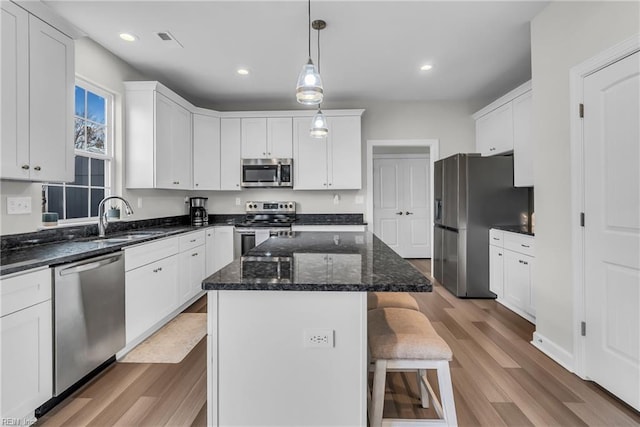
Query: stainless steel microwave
[267, 172]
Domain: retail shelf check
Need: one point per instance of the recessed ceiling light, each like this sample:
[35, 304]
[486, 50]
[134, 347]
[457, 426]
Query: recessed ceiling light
[243, 71]
[426, 67]
[128, 37]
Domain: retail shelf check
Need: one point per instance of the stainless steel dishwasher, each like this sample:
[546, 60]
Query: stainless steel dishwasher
[89, 315]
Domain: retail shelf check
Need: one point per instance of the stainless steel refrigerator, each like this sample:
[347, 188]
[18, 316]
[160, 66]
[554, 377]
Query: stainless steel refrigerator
[471, 194]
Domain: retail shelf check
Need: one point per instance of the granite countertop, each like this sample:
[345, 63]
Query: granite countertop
[520, 229]
[312, 261]
[61, 252]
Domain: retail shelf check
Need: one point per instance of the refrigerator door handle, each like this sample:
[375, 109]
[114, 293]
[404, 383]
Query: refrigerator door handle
[438, 210]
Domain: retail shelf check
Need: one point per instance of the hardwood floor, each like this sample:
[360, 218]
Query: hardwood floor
[499, 379]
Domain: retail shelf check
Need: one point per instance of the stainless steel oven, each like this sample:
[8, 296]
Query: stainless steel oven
[267, 173]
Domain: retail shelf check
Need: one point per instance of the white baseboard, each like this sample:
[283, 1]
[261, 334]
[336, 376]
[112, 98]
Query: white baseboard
[517, 310]
[554, 351]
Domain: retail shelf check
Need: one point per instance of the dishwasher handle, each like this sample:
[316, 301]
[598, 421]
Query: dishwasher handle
[90, 265]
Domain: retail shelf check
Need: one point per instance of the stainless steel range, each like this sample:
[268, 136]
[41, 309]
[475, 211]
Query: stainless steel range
[262, 220]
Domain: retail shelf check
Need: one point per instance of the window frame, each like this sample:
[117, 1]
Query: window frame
[108, 156]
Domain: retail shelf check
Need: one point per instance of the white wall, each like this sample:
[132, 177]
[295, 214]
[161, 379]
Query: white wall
[563, 35]
[450, 122]
[98, 66]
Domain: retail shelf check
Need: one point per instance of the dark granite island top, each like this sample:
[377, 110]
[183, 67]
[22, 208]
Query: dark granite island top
[320, 261]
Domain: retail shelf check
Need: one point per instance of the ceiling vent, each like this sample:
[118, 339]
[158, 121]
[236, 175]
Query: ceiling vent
[168, 39]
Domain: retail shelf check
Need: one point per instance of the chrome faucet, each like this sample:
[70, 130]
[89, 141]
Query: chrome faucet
[102, 215]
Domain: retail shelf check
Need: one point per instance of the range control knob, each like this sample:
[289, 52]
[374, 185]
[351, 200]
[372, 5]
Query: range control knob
[281, 206]
[291, 205]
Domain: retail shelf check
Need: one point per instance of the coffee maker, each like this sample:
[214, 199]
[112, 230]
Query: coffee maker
[198, 212]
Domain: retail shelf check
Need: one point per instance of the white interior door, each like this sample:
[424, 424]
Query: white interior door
[417, 221]
[401, 201]
[612, 228]
[387, 209]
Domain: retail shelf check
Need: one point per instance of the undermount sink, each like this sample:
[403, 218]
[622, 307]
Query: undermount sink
[125, 238]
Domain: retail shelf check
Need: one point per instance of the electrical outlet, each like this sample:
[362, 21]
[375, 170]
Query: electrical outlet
[140, 202]
[18, 205]
[238, 201]
[318, 338]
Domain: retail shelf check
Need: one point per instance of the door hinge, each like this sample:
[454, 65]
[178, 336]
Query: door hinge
[581, 111]
[583, 329]
[581, 219]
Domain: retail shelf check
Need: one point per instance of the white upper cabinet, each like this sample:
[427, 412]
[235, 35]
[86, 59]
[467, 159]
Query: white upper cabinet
[157, 123]
[206, 152]
[37, 99]
[522, 142]
[494, 131]
[230, 141]
[334, 162]
[504, 126]
[267, 138]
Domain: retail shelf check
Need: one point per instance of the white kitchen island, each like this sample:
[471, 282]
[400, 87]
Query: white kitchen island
[287, 329]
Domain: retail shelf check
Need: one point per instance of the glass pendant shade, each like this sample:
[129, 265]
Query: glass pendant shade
[309, 87]
[319, 128]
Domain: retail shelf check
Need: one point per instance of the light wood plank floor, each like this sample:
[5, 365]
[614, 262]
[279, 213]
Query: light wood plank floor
[499, 379]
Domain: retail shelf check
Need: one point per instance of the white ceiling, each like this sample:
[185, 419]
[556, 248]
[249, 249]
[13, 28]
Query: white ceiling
[370, 50]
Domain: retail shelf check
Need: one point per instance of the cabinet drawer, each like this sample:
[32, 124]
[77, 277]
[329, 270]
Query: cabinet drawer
[24, 290]
[519, 243]
[496, 237]
[191, 240]
[336, 228]
[149, 252]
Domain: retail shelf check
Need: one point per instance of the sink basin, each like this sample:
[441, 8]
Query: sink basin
[125, 238]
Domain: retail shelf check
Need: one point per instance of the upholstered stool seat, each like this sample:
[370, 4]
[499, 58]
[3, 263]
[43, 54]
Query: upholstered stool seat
[391, 299]
[404, 340]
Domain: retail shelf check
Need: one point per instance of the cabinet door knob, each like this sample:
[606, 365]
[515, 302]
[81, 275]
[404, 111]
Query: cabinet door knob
[25, 167]
[37, 168]
[197, 184]
[499, 254]
[399, 213]
[324, 183]
[408, 213]
[264, 154]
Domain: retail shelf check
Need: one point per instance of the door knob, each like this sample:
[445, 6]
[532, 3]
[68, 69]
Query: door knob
[399, 213]
[408, 213]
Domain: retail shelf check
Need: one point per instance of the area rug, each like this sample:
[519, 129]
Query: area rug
[172, 342]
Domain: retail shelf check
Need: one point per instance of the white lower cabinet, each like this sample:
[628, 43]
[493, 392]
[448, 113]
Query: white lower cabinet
[151, 294]
[152, 286]
[511, 257]
[219, 248]
[496, 270]
[192, 262]
[26, 349]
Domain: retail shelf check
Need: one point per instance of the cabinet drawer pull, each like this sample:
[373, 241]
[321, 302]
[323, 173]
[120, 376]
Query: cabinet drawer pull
[37, 168]
[524, 246]
[496, 238]
[194, 254]
[25, 167]
[499, 254]
[192, 241]
[176, 182]
[157, 270]
[525, 262]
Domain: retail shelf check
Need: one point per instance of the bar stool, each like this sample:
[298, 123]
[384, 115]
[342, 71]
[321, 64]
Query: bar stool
[404, 340]
[391, 299]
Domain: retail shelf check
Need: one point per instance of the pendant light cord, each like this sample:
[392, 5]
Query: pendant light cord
[318, 51]
[309, 38]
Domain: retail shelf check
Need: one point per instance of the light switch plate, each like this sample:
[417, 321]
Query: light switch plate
[18, 205]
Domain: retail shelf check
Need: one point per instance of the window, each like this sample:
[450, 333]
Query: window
[93, 141]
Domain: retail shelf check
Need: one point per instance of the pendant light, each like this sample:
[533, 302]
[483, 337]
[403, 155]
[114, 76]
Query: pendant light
[319, 128]
[309, 87]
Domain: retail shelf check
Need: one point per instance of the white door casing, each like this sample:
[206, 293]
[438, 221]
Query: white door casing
[402, 218]
[611, 136]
